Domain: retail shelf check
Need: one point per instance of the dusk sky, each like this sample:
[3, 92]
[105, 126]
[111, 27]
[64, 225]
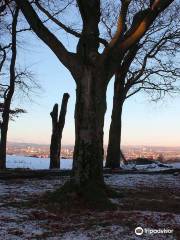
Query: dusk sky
[144, 122]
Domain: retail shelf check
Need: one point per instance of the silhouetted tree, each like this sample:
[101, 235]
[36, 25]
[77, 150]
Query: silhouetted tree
[151, 65]
[9, 93]
[57, 129]
[11, 79]
[92, 72]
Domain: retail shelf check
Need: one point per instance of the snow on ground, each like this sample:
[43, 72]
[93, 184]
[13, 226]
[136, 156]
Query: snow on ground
[43, 163]
[18, 190]
[34, 163]
[133, 181]
[18, 223]
[152, 167]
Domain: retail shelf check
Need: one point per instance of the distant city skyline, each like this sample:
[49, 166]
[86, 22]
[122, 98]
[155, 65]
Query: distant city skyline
[130, 152]
[143, 122]
[105, 145]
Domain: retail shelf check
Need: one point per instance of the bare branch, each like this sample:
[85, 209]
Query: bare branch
[67, 58]
[62, 25]
[121, 25]
[142, 22]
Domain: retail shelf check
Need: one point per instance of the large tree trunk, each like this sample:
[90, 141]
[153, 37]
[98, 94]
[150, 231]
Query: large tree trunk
[89, 122]
[114, 150]
[57, 129]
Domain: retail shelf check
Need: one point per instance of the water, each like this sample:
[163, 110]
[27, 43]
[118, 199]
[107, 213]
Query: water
[34, 163]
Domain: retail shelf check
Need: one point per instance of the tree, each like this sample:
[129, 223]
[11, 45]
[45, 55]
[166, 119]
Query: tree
[152, 66]
[12, 79]
[92, 72]
[10, 91]
[57, 129]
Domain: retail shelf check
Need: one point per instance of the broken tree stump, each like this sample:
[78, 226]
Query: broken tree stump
[57, 129]
[123, 157]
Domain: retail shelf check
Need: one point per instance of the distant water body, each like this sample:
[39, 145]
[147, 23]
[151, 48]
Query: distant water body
[34, 163]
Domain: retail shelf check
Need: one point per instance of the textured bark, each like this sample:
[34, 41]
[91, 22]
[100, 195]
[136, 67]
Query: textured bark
[89, 122]
[113, 150]
[57, 129]
[90, 102]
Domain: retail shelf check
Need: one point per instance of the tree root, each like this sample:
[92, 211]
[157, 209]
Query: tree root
[71, 196]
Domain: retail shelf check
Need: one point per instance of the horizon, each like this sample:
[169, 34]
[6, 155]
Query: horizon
[105, 145]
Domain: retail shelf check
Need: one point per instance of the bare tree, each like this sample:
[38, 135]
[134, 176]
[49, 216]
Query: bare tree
[57, 129]
[152, 66]
[9, 93]
[11, 79]
[92, 72]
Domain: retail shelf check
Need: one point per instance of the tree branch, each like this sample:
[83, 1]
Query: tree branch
[88, 44]
[68, 59]
[62, 25]
[121, 25]
[141, 23]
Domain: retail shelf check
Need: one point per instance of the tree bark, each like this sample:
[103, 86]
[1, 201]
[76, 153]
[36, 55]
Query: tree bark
[89, 122]
[114, 150]
[57, 129]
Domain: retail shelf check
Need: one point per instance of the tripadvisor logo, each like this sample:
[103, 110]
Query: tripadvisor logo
[139, 231]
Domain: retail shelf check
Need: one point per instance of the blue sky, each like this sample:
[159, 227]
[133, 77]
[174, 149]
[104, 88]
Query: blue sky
[144, 122]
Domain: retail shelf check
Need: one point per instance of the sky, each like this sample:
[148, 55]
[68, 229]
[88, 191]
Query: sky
[143, 122]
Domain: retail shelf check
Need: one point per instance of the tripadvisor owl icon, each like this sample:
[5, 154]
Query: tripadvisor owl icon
[139, 231]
